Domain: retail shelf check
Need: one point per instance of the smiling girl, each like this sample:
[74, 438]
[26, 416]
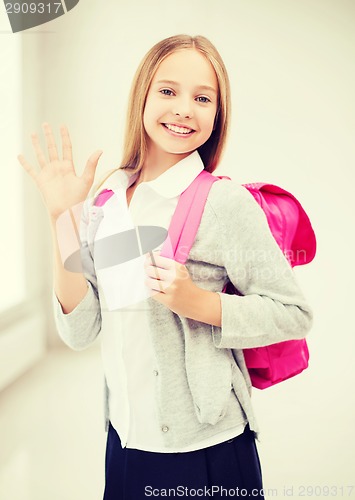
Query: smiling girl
[179, 412]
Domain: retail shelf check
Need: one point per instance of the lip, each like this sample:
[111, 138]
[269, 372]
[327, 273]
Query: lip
[179, 125]
[176, 134]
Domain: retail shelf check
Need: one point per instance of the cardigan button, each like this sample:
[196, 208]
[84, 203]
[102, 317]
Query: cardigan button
[165, 428]
[156, 373]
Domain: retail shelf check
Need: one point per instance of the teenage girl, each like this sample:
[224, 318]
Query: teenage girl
[179, 413]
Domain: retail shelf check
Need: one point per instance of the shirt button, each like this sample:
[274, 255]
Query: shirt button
[156, 373]
[165, 428]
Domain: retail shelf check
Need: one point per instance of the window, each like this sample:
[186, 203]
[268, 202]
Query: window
[12, 248]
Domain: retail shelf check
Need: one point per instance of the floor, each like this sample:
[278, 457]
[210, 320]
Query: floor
[52, 438]
[43, 435]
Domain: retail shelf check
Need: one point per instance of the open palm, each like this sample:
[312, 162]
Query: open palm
[57, 181]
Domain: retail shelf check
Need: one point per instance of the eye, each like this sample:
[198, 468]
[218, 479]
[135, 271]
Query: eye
[203, 99]
[166, 92]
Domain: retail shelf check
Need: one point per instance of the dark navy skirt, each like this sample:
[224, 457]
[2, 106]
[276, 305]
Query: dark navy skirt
[226, 470]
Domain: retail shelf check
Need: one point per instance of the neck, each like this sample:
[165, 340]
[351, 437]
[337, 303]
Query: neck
[157, 162]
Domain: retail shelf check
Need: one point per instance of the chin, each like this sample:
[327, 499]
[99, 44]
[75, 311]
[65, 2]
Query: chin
[184, 151]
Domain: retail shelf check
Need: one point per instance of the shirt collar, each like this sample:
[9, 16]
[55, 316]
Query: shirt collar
[169, 184]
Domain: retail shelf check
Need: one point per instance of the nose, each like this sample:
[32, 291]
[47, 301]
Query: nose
[183, 108]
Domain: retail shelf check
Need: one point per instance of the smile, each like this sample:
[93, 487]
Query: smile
[178, 130]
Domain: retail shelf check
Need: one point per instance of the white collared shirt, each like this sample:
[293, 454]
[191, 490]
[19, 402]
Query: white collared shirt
[127, 351]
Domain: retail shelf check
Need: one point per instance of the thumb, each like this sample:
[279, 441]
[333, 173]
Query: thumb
[90, 167]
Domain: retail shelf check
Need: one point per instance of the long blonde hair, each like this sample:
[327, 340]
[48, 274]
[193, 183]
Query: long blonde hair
[135, 142]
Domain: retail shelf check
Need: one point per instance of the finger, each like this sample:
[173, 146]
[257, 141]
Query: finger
[38, 150]
[157, 272]
[154, 285]
[27, 166]
[151, 259]
[66, 143]
[90, 168]
[155, 269]
[162, 262]
[51, 146]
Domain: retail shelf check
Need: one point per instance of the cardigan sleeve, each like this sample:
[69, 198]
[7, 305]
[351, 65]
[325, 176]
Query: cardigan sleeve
[272, 307]
[79, 328]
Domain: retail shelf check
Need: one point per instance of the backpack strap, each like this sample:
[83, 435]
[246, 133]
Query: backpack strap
[103, 197]
[187, 217]
[288, 221]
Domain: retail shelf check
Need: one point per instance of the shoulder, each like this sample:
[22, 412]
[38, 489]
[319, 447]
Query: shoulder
[104, 181]
[241, 220]
[231, 201]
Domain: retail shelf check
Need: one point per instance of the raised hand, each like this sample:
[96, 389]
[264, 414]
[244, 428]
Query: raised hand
[57, 181]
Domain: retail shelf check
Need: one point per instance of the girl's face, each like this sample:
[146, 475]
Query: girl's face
[181, 105]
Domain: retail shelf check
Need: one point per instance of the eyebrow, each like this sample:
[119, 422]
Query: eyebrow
[202, 87]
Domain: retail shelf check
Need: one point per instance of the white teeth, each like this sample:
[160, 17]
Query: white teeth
[179, 130]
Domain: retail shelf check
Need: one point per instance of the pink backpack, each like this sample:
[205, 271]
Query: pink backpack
[292, 231]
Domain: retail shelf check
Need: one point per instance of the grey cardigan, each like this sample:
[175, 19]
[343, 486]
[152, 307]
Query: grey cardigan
[203, 386]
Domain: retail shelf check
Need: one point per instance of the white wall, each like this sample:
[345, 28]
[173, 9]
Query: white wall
[291, 65]
[24, 320]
